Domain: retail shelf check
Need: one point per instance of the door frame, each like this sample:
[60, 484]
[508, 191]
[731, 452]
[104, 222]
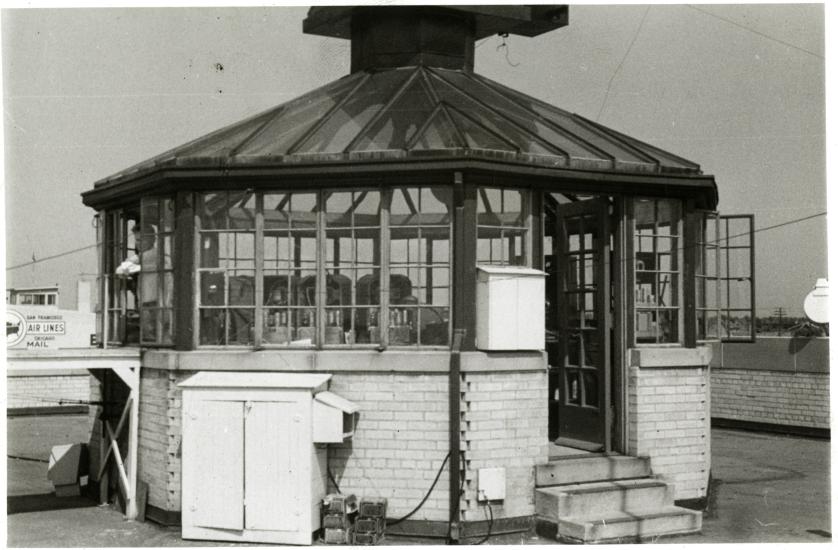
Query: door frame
[616, 275]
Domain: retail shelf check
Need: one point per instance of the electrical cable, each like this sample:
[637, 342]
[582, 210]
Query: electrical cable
[491, 519]
[332, 479]
[439, 473]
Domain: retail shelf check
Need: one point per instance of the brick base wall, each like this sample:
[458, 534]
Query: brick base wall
[771, 397]
[669, 421]
[400, 442]
[504, 425]
[47, 391]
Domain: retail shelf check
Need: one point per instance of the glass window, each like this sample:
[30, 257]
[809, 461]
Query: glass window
[353, 265]
[120, 274]
[420, 259]
[502, 227]
[154, 243]
[315, 259]
[289, 269]
[736, 257]
[657, 274]
[226, 271]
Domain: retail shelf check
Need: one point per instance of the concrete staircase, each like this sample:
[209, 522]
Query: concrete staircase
[595, 498]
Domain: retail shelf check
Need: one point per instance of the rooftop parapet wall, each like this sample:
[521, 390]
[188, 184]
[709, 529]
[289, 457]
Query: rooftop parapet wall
[783, 354]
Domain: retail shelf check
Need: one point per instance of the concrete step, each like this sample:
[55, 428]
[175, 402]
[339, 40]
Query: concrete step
[602, 497]
[628, 527]
[595, 468]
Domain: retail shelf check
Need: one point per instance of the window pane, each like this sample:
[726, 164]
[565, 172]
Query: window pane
[339, 209]
[433, 326]
[303, 321]
[367, 209]
[212, 289]
[435, 205]
[212, 323]
[167, 328]
[240, 327]
[402, 319]
[276, 250]
[338, 249]
[367, 248]
[242, 214]
[404, 206]
[275, 326]
[668, 325]
[590, 381]
[276, 208]
[148, 325]
[241, 290]
[303, 210]
[212, 210]
[365, 292]
[367, 329]
[168, 288]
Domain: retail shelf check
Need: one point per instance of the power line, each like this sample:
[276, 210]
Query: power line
[617, 70]
[758, 33]
[54, 256]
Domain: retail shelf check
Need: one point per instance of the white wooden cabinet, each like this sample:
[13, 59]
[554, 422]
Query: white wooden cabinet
[251, 471]
[510, 308]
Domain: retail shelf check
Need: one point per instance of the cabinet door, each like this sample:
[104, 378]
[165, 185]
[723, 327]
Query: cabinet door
[272, 480]
[213, 487]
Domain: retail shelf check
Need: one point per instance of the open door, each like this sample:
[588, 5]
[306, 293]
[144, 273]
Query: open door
[578, 346]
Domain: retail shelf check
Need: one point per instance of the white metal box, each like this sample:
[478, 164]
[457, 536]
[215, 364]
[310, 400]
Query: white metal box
[250, 469]
[491, 484]
[510, 308]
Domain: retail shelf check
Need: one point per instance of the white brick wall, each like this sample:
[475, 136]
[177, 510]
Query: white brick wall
[772, 397]
[503, 424]
[400, 442]
[669, 421]
[47, 391]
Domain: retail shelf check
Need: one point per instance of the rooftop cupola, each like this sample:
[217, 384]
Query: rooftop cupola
[433, 36]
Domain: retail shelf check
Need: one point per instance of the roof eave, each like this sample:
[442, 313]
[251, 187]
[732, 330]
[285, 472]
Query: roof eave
[155, 178]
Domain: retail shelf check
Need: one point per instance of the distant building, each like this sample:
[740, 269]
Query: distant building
[33, 296]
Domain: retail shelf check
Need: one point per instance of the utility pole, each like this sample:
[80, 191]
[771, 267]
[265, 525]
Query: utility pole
[779, 313]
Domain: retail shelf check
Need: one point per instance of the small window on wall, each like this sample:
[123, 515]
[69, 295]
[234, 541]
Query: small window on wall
[227, 268]
[155, 244]
[657, 272]
[502, 227]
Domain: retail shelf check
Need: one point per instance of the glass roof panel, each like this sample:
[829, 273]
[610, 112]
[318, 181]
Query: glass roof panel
[346, 122]
[566, 121]
[520, 115]
[439, 134]
[491, 120]
[398, 125]
[478, 137]
[225, 143]
[298, 116]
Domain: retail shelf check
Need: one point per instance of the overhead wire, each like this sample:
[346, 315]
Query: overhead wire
[623, 60]
[754, 31]
[54, 256]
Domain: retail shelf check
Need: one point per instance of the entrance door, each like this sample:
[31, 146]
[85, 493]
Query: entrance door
[579, 360]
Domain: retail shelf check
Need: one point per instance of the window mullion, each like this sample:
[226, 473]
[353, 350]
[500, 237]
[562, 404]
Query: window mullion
[320, 267]
[259, 283]
[384, 297]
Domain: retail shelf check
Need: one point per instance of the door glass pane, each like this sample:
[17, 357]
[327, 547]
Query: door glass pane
[572, 390]
[590, 381]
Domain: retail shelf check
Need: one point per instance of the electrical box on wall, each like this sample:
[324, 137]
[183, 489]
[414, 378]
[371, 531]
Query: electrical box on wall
[491, 484]
[510, 308]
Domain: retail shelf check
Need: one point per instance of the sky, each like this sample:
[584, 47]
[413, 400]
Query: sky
[738, 89]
